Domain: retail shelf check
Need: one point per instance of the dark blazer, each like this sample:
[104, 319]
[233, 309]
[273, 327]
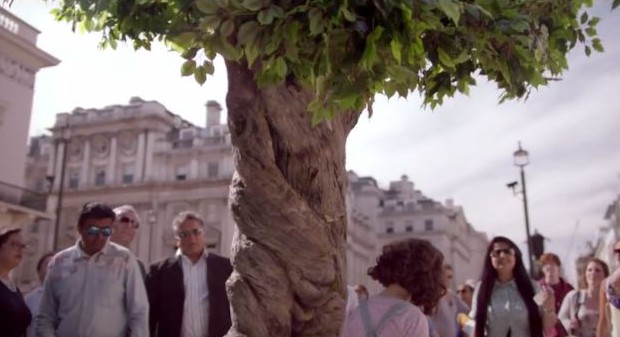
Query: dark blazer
[166, 293]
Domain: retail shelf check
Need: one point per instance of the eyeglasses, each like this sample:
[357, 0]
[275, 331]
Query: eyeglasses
[461, 291]
[498, 252]
[190, 232]
[18, 245]
[129, 221]
[95, 231]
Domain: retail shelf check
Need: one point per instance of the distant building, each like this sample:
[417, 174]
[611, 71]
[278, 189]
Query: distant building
[20, 60]
[402, 212]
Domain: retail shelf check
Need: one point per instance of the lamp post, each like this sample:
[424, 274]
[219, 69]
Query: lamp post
[521, 159]
[64, 137]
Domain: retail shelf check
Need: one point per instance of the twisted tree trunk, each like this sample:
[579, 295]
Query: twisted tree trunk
[287, 199]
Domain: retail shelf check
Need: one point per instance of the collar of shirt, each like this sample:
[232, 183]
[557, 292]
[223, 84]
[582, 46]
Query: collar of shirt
[510, 283]
[179, 253]
[81, 254]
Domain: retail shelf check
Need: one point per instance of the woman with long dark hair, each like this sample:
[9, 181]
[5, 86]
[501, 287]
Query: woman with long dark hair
[504, 304]
[411, 272]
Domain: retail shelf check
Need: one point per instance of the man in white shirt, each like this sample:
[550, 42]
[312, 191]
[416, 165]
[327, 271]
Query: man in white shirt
[93, 288]
[187, 292]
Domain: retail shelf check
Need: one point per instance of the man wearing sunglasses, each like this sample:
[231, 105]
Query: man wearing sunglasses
[187, 292]
[93, 288]
[125, 227]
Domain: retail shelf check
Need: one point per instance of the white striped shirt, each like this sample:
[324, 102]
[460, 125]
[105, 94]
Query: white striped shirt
[196, 305]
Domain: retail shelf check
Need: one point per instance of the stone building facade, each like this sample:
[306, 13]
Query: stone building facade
[401, 212]
[139, 154]
[20, 60]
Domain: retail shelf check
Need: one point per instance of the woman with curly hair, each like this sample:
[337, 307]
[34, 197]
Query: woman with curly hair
[411, 272]
[504, 304]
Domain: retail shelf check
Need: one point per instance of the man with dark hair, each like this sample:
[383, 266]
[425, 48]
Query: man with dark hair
[93, 288]
[187, 292]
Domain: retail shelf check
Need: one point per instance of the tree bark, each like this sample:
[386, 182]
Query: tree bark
[287, 199]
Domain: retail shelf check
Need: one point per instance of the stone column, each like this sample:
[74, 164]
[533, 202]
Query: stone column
[112, 161]
[84, 179]
[60, 157]
[140, 157]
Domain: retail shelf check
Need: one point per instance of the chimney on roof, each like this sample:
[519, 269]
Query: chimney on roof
[214, 111]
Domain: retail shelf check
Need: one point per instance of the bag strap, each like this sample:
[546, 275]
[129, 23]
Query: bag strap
[367, 320]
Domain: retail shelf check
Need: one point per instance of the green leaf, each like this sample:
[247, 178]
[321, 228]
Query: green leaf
[584, 18]
[276, 11]
[281, 67]
[200, 75]
[251, 53]
[397, 49]
[222, 3]
[588, 50]
[445, 59]
[188, 68]
[227, 28]
[348, 15]
[207, 6]
[316, 22]
[253, 5]
[209, 22]
[209, 67]
[451, 9]
[591, 31]
[615, 4]
[597, 45]
[248, 32]
[265, 17]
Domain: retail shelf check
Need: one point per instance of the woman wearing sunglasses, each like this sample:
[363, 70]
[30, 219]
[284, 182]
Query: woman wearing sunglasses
[14, 313]
[504, 304]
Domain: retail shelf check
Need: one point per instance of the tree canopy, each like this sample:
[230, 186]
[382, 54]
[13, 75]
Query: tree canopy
[348, 51]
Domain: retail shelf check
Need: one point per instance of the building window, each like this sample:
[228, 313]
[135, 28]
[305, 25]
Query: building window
[428, 225]
[389, 230]
[181, 173]
[213, 170]
[100, 177]
[409, 229]
[74, 180]
[128, 170]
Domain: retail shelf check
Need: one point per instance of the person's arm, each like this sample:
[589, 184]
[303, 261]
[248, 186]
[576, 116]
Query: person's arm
[46, 321]
[547, 309]
[136, 302]
[461, 307]
[613, 289]
[602, 329]
[565, 313]
[152, 281]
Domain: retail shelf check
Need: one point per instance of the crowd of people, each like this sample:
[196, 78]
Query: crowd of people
[504, 302]
[97, 287]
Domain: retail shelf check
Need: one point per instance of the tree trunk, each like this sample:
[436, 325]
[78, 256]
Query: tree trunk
[287, 199]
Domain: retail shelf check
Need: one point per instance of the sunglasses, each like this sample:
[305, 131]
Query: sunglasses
[498, 252]
[95, 231]
[190, 232]
[617, 251]
[461, 291]
[129, 221]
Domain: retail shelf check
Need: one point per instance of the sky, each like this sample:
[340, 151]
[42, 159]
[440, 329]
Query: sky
[461, 151]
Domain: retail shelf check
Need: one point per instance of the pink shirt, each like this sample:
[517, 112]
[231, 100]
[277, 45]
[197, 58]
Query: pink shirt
[409, 322]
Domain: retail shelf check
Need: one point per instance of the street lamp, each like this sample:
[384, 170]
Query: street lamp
[521, 159]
